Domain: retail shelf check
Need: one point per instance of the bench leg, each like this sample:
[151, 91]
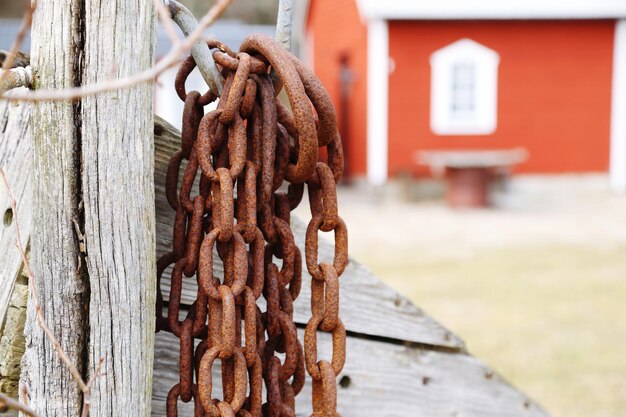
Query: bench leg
[468, 187]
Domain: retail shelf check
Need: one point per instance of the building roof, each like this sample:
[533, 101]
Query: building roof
[491, 9]
[231, 32]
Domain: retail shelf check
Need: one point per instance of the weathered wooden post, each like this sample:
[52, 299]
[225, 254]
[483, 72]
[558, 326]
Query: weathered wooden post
[15, 160]
[93, 244]
[54, 256]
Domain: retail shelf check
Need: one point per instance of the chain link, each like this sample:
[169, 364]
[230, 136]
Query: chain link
[246, 149]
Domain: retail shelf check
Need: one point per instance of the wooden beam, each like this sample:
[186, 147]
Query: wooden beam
[383, 380]
[16, 161]
[60, 284]
[93, 251]
[118, 193]
[12, 340]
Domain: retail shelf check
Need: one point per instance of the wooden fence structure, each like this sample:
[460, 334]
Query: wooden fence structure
[400, 361]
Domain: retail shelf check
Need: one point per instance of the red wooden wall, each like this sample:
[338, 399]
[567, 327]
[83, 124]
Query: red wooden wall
[554, 86]
[339, 31]
[554, 91]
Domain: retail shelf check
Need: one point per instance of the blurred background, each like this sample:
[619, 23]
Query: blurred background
[486, 171]
[485, 152]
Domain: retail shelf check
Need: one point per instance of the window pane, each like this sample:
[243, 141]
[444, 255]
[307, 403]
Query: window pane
[463, 100]
[463, 75]
[463, 86]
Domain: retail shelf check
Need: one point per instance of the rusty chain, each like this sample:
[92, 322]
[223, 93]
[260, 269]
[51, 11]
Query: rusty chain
[246, 150]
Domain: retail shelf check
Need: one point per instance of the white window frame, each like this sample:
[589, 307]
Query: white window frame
[482, 120]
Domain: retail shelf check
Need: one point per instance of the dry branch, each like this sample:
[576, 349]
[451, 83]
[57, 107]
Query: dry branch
[167, 22]
[169, 60]
[7, 402]
[185, 20]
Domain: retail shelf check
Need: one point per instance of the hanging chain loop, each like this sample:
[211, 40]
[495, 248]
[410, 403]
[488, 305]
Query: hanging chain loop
[255, 156]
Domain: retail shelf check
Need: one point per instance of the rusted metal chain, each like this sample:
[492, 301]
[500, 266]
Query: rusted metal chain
[246, 149]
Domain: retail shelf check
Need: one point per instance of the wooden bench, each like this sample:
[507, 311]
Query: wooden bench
[469, 173]
[400, 360]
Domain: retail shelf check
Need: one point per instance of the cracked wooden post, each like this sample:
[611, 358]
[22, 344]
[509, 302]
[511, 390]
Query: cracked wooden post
[93, 186]
[118, 191]
[15, 160]
[61, 286]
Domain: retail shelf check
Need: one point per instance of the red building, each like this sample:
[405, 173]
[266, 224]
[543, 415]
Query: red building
[409, 76]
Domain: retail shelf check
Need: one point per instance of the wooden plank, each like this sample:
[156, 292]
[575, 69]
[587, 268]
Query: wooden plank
[12, 340]
[384, 380]
[118, 192]
[367, 305]
[472, 159]
[15, 160]
[60, 284]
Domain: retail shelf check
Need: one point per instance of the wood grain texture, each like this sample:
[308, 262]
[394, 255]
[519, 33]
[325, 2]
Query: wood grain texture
[12, 340]
[118, 192]
[383, 380]
[367, 305]
[15, 160]
[59, 283]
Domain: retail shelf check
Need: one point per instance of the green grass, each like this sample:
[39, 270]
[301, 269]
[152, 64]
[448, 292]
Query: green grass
[551, 320]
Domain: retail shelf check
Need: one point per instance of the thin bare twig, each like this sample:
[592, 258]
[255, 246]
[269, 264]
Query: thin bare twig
[8, 402]
[97, 374]
[169, 60]
[87, 397]
[17, 43]
[25, 395]
[166, 20]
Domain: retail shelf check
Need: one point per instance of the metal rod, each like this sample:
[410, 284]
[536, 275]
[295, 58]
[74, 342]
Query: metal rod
[200, 50]
[284, 23]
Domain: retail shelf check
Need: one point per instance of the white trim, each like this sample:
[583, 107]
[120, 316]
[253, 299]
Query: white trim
[377, 100]
[492, 9]
[481, 119]
[617, 171]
